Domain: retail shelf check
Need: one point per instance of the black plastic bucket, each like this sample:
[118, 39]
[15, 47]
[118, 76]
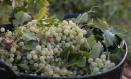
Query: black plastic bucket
[114, 73]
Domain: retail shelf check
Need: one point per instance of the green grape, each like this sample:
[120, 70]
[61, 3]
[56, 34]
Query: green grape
[2, 29]
[29, 56]
[96, 70]
[50, 72]
[90, 60]
[103, 56]
[9, 33]
[56, 75]
[35, 57]
[13, 49]
[18, 57]
[11, 59]
[21, 43]
[38, 48]
[36, 64]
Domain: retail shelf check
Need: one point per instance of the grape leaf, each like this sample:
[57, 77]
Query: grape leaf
[83, 18]
[85, 53]
[42, 13]
[29, 36]
[91, 41]
[117, 32]
[38, 8]
[74, 58]
[109, 38]
[85, 46]
[77, 59]
[103, 24]
[30, 40]
[96, 50]
[21, 18]
[29, 45]
[117, 55]
[65, 54]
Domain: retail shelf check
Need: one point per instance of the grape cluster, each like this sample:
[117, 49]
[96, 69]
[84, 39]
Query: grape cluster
[45, 58]
[65, 35]
[99, 65]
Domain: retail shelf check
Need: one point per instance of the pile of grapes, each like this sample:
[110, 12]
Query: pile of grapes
[55, 49]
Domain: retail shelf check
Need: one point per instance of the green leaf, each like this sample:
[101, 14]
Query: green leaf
[83, 18]
[21, 18]
[65, 54]
[117, 32]
[109, 38]
[96, 50]
[74, 58]
[114, 58]
[77, 59]
[42, 13]
[81, 62]
[38, 8]
[24, 66]
[117, 55]
[91, 41]
[29, 36]
[85, 53]
[29, 45]
[103, 24]
[85, 46]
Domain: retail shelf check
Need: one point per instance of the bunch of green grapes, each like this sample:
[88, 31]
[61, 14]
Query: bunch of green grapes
[99, 65]
[55, 39]
[45, 58]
